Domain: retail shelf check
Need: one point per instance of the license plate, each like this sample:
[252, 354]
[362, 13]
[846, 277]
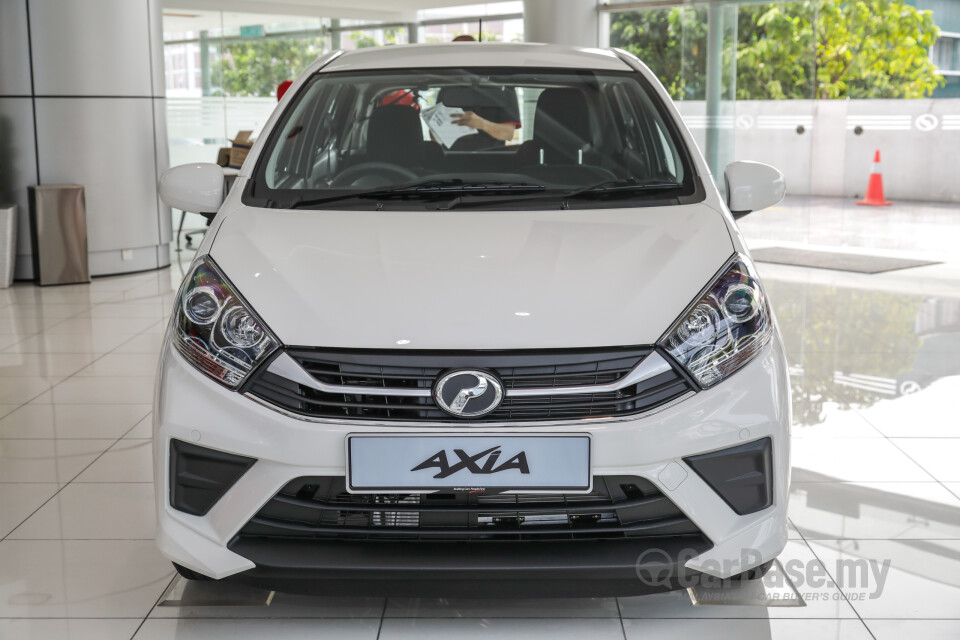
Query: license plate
[436, 462]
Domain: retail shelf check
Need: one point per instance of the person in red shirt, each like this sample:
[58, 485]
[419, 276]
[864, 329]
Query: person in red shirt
[489, 126]
[493, 123]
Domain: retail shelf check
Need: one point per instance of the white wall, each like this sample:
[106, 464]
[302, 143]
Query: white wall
[82, 101]
[919, 142]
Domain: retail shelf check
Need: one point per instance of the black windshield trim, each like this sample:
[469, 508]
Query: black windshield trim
[430, 188]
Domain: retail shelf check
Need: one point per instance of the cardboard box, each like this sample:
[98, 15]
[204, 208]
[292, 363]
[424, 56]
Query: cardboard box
[239, 149]
[223, 156]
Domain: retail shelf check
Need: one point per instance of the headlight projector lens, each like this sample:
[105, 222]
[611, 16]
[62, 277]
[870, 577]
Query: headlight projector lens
[741, 303]
[240, 329]
[700, 326]
[201, 305]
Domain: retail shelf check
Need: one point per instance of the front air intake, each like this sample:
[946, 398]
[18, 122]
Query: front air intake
[320, 508]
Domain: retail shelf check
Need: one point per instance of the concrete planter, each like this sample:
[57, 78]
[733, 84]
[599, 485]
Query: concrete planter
[8, 243]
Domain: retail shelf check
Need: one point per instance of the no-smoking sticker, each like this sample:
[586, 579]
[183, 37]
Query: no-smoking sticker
[926, 122]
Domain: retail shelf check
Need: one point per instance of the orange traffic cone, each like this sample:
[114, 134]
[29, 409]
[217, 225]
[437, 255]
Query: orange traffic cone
[874, 196]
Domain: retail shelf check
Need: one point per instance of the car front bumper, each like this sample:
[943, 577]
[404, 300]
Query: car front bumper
[750, 405]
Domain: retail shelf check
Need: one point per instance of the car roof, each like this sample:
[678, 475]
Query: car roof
[477, 54]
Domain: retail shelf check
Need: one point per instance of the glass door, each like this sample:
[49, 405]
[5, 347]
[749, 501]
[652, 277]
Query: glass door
[742, 76]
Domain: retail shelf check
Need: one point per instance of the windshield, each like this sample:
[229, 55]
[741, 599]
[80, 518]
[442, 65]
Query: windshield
[439, 138]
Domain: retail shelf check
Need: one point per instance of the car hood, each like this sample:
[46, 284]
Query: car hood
[471, 279]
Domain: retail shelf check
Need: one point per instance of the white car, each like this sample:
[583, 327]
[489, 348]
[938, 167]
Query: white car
[473, 320]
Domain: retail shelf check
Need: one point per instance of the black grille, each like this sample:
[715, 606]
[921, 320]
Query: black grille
[320, 508]
[517, 370]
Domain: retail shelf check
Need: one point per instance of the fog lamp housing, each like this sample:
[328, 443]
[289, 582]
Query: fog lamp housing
[741, 475]
[200, 476]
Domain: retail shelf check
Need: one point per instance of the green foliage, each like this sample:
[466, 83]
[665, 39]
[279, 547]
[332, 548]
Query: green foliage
[887, 52]
[363, 39]
[813, 49]
[775, 52]
[256, 67]
[490, 36]
[672, 42]
[830, 330]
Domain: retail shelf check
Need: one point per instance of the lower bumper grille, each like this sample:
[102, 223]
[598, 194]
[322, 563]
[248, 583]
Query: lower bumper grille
[320, 508]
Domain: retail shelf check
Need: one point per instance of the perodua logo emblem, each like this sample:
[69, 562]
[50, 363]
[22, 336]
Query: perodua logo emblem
[468, 394]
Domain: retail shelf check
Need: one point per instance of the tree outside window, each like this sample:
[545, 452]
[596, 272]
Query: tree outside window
[824, 49]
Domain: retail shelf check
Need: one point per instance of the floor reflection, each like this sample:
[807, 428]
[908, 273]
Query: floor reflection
[875, 377]
[874, 510]
[853, 348]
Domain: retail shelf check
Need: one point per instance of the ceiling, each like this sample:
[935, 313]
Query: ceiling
[386, 10]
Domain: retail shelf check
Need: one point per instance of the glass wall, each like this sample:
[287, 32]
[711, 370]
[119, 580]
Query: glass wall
[820, 49]
[693, 50]
[489, 22]
[222, 72]
[359, 34]
[223, 68]
[946, 55]
[784, 82]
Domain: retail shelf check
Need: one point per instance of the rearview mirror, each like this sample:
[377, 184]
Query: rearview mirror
[197, 187]
[752, 186]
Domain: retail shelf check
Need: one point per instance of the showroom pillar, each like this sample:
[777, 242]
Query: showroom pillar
[82, 101]
[576, 23]
[721, 88]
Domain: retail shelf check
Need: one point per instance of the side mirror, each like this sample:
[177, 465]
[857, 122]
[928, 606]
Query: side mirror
[752, 186]
[197, 187]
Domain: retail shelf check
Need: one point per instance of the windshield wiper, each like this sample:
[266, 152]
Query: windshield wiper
[620, 186]
[612, 187]
[452, 186]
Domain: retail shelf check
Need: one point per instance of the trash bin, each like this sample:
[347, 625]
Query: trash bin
[58, 234]
[8, 243]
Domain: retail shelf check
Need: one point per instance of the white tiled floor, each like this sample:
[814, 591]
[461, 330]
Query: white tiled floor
[875, 475]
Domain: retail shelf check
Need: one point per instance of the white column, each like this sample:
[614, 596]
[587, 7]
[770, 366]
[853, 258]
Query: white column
[82, 95]
[570, 22]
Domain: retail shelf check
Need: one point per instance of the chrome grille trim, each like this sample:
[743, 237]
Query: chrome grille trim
[445, 424]
[285, 366]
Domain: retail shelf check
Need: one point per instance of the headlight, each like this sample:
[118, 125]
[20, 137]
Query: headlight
[725, 328]
[216, 330]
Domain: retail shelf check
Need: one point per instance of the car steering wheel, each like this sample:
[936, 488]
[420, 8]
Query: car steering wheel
[392, 172]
